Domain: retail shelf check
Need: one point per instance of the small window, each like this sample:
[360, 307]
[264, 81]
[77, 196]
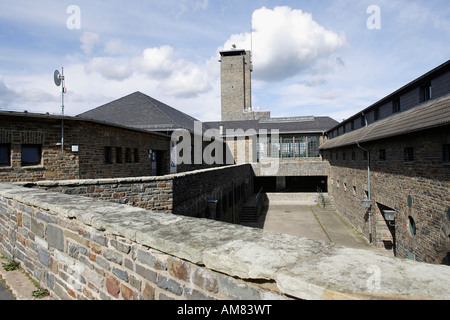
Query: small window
[365, 155]
[5, 155]
[353, 125]
[108, 155]
[396, 107]
[31, 154]
[343, 156]
[136, 155]
[425, 92]
[353, 155]
[118, 155]
[409, 155]
[446, 153]
[128, 155]
[382, 155]
[344, 129]
[363, 121]
[412, 226]
[376, 114]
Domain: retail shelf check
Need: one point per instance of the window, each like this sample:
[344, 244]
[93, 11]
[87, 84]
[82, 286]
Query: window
[412, 226]
[313, 147]
[363, 121]
[136, 155]
[396, 107]
[425, 92]
[118, 155]
[128, 155]
[108, 155]
[365, 155]
[409, 155]
[446, 153]
[382, 155]
[376, 114]
[31, 154]
[353, 125]
[343, 156]
[353, 155]
[5, 155]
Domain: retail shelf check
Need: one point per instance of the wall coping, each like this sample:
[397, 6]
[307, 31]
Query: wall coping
[302, 268]
[79, 182]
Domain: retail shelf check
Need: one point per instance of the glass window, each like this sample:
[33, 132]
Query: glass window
[425, 92]
[396, 107]
[31, 154]
[136, 155]
[446, 153]
[409, 155]
[118, 155]
[313, 147]
[108, 155]
[5, 155]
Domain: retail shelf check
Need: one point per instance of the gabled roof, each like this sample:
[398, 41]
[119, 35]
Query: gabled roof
[295, 125]
[140, 111]
[432, 114]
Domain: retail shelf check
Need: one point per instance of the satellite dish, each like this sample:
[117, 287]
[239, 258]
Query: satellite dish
[57, 78]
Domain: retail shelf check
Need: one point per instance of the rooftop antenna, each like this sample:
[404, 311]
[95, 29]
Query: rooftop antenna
[60, 80]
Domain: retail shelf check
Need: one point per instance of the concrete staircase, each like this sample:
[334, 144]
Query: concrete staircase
[249, 214]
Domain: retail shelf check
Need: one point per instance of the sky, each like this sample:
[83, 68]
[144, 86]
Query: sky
[322, 58]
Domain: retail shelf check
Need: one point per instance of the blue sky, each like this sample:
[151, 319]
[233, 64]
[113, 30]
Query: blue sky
[310, 57]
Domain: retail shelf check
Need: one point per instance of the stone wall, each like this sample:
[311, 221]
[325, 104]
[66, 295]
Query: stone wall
[184, 193]
[417, 190]
[84, 248]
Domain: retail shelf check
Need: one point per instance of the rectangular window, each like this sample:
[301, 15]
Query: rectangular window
[376, 114]
[108, 155]
[353, 125]
[409, 155]
[396, 107]
[5, 155]
[365, 155]
[136, 155]
[382, 155]
[128, 155]
[31, 154]
[313, 147]
[425, 92]
[353, 156]
[446, 153]
[118, 155]
[363, 121]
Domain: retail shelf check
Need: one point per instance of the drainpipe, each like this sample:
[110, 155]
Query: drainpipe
[368, 185]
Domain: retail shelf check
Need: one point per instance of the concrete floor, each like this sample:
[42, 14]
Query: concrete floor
[307, 220]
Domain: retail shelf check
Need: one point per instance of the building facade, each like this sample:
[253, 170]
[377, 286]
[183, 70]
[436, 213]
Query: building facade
[30, 149]
[390, 169]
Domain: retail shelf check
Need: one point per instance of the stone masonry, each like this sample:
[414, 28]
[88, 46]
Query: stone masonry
[84, 248]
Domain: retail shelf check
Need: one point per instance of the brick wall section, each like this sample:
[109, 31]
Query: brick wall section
[90, 137]
[184, 193]
[426, 180]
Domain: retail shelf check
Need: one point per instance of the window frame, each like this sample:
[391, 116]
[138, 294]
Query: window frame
[7, 147]
[31, 163]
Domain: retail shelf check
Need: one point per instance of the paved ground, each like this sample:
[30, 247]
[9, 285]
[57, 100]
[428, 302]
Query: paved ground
[20, 287]
[309, 221]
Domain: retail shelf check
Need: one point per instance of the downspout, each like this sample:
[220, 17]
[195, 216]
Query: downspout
[368, 184]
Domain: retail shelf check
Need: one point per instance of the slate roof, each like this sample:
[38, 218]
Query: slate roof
[432, 114]
[141, 111]
[294, 125]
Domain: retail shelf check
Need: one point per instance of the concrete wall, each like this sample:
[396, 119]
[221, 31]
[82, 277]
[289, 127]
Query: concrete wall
[84, 248]
[425, 181]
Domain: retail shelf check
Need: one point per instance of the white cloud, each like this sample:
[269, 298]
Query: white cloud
[88, 41]
[109, 68]
[114, 46]
[286, 42]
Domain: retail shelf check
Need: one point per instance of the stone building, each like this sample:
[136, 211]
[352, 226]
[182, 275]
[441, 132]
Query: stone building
[390, 169]
[30, 149]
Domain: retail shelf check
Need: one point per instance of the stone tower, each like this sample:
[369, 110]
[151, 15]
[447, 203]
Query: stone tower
[236, 69]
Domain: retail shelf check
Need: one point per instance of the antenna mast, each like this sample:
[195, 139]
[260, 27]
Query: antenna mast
[60, 79]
